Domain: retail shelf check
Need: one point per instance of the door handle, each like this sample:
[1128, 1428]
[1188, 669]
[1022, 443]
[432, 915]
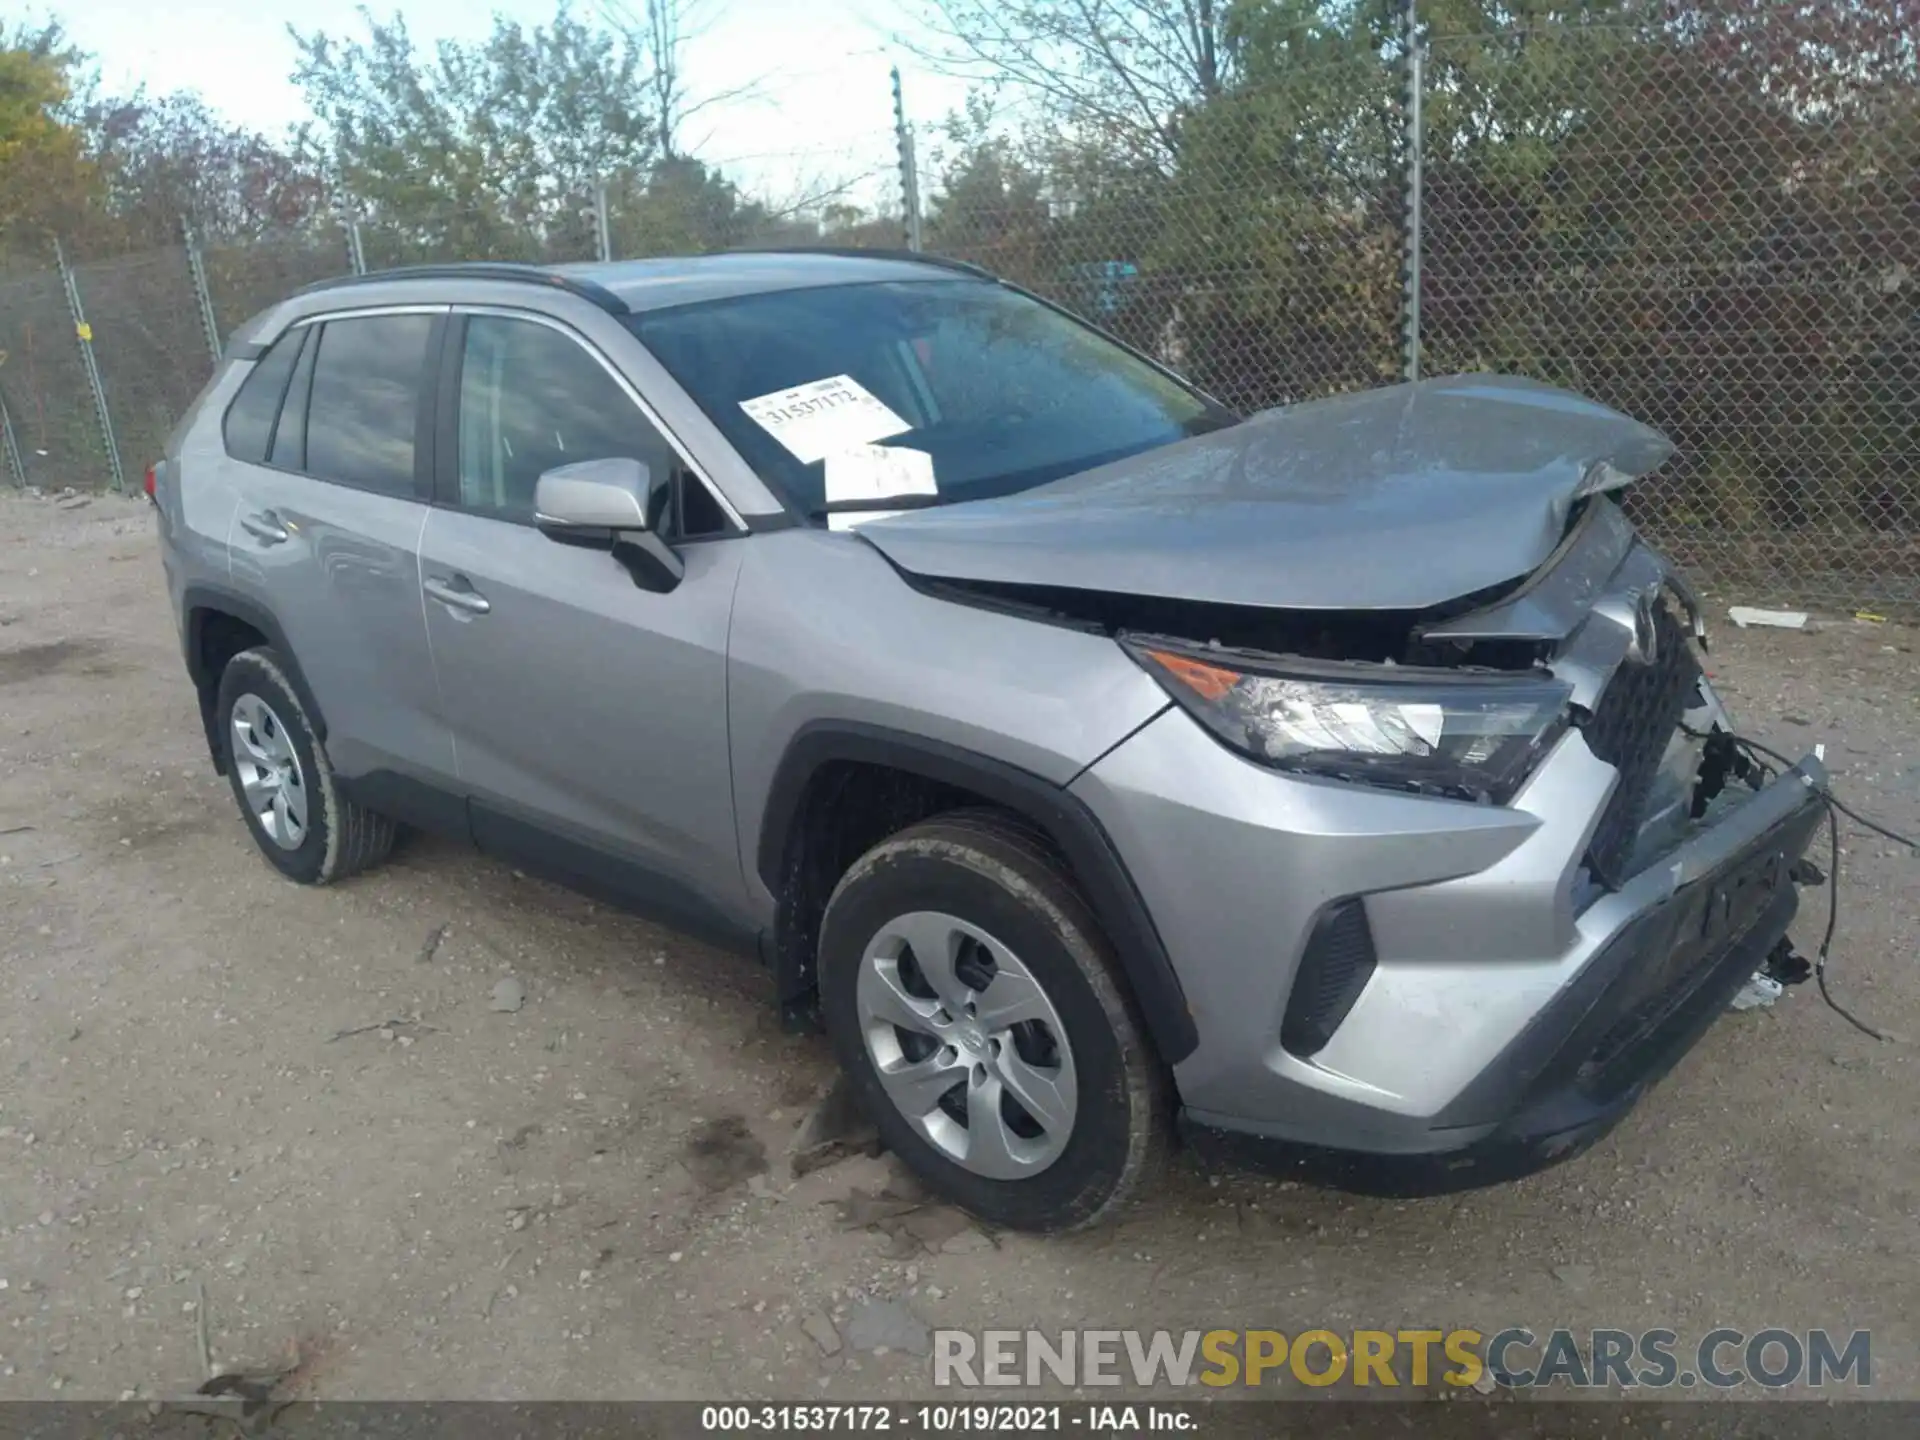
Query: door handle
[265, 527]
[458, 593]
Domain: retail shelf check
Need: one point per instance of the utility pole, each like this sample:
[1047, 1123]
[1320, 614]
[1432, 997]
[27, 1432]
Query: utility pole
[602, 234]
[356, 252]
[1414, 144]
[909, 168]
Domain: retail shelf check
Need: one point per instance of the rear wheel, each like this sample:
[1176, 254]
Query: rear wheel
[283, 783]
[976, 1006]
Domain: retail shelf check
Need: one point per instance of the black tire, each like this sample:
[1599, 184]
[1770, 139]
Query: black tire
[990, 871]
[341, 838]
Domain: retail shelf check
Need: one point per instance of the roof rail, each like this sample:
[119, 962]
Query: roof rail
[587, 290]
[859, 252]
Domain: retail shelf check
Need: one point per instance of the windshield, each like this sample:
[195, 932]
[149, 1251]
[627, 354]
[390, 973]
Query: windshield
[822, 390]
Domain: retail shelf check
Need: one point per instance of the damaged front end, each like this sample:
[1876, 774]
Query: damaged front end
[1623, 631]
[1422, 588]
[1450, 883]
[1452, 875]
[1460, 700]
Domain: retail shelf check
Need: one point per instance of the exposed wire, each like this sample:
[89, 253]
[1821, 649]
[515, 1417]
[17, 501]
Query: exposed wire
[1835, 809]
[1834, 800]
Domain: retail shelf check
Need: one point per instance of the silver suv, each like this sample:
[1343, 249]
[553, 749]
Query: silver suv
[1336, 784]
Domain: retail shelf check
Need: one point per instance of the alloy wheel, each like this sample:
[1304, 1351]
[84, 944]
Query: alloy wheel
[271, 779]
[967, 1045]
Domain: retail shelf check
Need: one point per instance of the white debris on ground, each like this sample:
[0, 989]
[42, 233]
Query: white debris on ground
[1745, 616]
[1758, 993]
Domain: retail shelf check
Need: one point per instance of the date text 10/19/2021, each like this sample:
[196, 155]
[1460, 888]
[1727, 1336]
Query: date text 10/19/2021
[951, 1419]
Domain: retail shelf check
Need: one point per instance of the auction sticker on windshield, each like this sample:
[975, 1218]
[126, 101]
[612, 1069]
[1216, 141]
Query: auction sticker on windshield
[824, 416]
[878, 472]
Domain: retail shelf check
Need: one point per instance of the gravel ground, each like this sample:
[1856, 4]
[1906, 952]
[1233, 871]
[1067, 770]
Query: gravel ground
[294, 1118]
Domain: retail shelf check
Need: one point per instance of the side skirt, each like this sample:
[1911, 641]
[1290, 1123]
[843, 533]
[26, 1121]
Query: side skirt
[529, 846]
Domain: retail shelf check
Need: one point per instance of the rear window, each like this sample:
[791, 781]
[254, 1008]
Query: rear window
[996, 391]
[249, 422]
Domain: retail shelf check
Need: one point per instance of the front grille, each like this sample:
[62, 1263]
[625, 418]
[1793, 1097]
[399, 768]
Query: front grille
[1334, 969]
[1629, 729]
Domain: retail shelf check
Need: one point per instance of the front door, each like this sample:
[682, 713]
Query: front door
[589, 715]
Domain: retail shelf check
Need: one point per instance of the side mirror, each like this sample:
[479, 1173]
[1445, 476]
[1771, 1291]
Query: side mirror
[608, 495]
[602, 504]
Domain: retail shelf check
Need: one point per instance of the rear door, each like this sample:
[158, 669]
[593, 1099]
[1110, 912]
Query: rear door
[327, 538]
[589, 715]
[221, 458]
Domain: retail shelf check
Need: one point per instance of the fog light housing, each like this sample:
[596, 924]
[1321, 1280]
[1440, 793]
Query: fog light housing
[1335, 966]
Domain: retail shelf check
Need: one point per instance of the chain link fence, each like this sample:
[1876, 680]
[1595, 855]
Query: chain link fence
[149, 343]
[243, 279]
[1689, 228]
[1720, 244]
[49, 405]
[1257, 260]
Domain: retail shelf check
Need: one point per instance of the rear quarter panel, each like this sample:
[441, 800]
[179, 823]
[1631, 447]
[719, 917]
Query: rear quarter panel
[198, 493]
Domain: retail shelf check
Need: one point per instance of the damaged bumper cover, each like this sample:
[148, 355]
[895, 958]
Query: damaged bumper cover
[1691, 932]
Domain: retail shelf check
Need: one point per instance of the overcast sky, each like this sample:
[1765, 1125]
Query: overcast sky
[825, 106]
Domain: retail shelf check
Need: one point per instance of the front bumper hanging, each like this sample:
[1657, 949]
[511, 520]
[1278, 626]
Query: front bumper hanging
[1640, 1004]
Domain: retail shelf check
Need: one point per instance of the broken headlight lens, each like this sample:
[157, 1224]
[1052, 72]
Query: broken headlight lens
[1471, 736]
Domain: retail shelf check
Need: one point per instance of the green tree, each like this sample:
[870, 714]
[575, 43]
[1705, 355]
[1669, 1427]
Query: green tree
[48, 182]
[989, 203]
[678, 207]
[484, 150]
[1699, 214]
[845, 224]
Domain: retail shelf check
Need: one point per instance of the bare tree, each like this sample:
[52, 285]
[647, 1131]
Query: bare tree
[1126, 69]
[662, 30]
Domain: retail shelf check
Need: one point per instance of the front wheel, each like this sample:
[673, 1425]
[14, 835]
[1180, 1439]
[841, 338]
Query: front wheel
[974, 1002]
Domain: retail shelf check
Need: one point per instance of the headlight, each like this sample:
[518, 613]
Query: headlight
[1474, 736]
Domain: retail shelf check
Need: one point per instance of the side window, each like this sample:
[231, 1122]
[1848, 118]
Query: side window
[531, 399]
[365, 400]
[249, 420]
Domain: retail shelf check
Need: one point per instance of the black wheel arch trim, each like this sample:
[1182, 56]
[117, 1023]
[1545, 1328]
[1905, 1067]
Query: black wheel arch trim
[200, 599]
[1067, 821]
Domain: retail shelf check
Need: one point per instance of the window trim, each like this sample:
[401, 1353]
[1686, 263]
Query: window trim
[452, 355]
[421, 494]
[300, 384]
[279, 404]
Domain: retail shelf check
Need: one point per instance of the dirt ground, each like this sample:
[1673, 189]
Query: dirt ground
[293, 1108]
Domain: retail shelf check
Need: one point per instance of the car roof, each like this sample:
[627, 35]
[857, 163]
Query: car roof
[686, 280]
[636, 286]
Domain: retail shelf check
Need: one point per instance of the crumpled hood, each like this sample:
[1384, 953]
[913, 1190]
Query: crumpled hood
[1399, 498]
